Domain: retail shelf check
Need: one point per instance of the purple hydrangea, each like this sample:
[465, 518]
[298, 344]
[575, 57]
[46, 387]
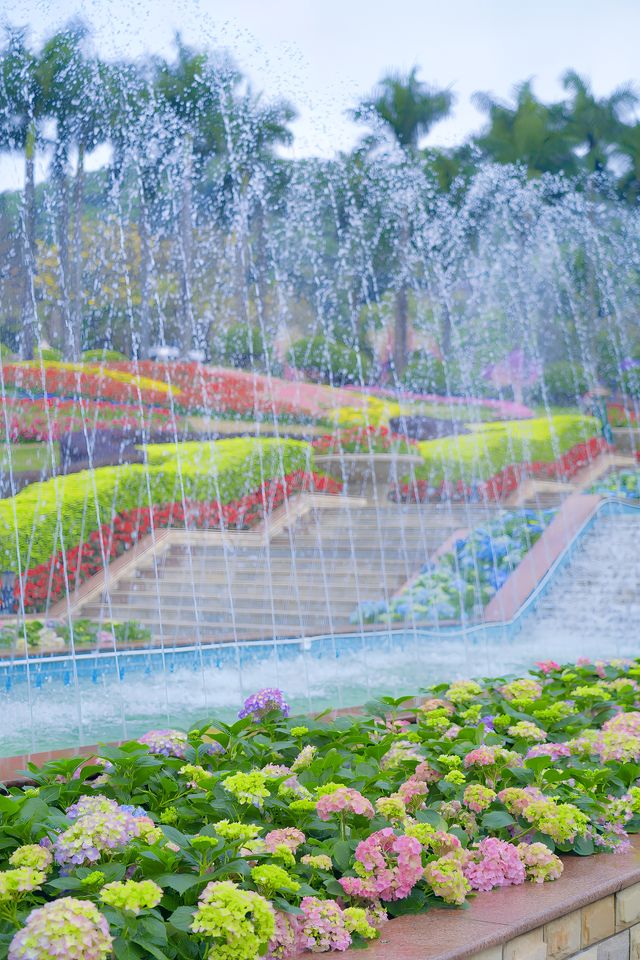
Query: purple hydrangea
[100, 825]
[259, 704]
[168, 743]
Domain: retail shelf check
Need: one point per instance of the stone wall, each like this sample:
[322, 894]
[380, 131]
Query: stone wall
[607, 929]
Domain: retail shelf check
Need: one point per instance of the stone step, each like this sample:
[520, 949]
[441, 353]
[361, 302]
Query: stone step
[244, 620]
[280, 591]
[222, 605]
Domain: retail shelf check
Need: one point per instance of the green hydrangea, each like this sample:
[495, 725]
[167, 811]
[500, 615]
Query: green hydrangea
[501, 721]
[169, 816]
[526, 730]
[32, 855]
[591, 692]
[15, 883]
[299, 731]
[461, 691]
[306, 805]
[524, 689]
[326, 788]
[94, 879]
[132, 895]
[247, 788]
[392, 807]
[472, 714]
[319, 861]
[554, 712]
[438, 721]
[560, 821]
[271, 879]
[451, 761]
[421, 831]
[232, 831]
[204, 842]
[455, 776]
[198, 775]
[357, 921]
[239, 922]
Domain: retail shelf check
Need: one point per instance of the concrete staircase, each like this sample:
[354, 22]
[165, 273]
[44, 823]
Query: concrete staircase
[304, 580]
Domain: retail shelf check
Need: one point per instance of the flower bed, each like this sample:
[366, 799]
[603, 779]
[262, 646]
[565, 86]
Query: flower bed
[78, 380]
[41, 419]
[503, 483]
[51, 636]
[464, 579]
[369, 439]
[70, 508]
[624, 483]
[500, 409]
[46, 583]
[274, 835]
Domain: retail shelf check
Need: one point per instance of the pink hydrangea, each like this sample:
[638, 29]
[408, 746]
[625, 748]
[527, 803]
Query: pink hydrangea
[424, 771]
[344, 800]
[287, 837]
[286, 940]
[624, 722]
[391, 866]
[494, 863]
[554, 750]
[539, 862]
[546, 666]
[412, 793]
[322, 926]
[481, 757]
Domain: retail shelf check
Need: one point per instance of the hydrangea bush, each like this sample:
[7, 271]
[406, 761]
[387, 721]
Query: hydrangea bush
[463, 580]
[268, 837]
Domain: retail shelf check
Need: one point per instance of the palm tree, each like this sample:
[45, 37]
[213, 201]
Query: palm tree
[254, 129]
[189, 91]
[628, 148]
[528, 132]
[22, 111]
[72, 92]
[595, 123]
[405, 108]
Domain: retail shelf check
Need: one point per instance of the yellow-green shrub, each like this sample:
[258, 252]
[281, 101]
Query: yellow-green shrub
[61, 512]
[490, 447]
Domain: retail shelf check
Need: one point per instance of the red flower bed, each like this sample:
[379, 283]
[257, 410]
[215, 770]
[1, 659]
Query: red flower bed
[215, 389]
[45, 584]
[369, 439]
[504, 483]
[73, 383]
[48, 419]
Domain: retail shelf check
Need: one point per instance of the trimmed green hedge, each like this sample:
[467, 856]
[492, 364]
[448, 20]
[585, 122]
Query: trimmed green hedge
[77, 504]
[492, 446]
[107, 356]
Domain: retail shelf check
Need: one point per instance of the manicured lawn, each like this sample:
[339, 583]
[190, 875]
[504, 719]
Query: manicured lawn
[28, 456]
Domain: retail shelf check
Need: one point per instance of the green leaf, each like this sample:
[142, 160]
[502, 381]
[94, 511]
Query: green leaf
[342, 854]
[583, 846]
[182, 918]
[497, 819]
[180, 882]
[125, 950]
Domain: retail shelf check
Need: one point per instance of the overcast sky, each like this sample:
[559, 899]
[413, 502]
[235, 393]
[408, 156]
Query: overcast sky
[325, 54]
